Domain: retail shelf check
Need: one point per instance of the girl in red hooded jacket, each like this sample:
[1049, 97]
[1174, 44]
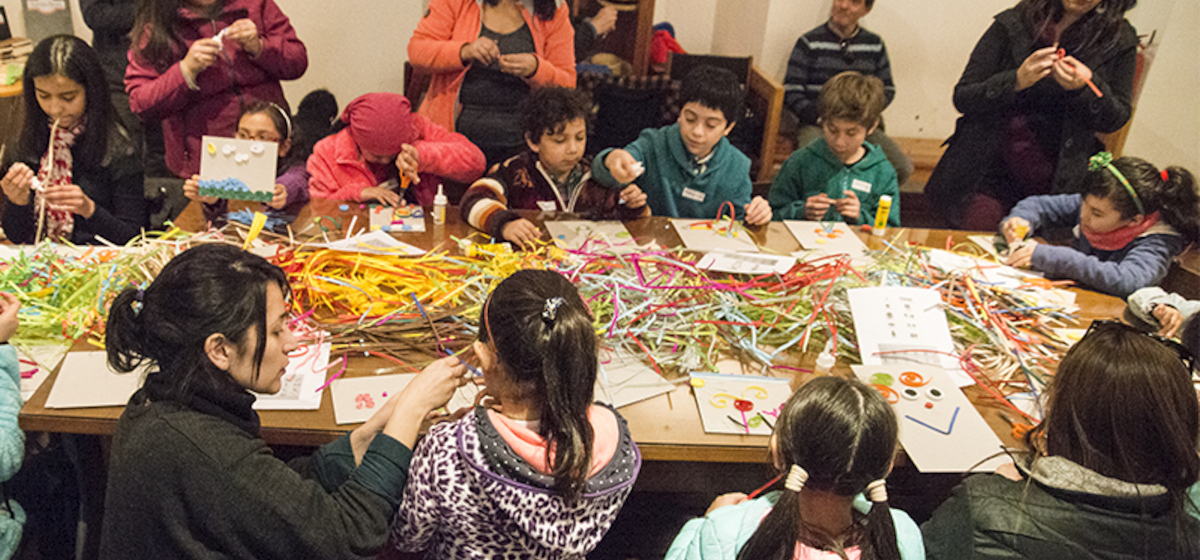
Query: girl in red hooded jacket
[194, 63]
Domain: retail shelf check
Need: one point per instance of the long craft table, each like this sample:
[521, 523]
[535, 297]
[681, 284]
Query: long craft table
[667, 427]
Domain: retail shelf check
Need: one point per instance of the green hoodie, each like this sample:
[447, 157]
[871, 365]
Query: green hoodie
[815, 169]
[675, 185]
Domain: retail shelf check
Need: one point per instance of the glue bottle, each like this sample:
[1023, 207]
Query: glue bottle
[881, 215]
[439, 207]
[826, 359]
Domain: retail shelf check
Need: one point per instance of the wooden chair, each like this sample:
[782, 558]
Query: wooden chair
[1115, 141]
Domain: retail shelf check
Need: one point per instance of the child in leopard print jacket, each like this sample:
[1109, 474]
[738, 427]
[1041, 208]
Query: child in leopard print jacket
[541, 473]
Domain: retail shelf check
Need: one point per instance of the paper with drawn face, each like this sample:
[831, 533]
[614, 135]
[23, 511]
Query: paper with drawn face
[819, 242]
[739, 404]
[939, 427]
[897, 325]
[698, 235]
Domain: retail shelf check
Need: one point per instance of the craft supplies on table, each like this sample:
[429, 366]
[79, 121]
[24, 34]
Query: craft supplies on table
[397, 219]
[739, 404]
[823, 239]
[708, 235]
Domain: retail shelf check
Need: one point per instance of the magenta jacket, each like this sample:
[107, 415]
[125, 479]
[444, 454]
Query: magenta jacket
[214, 110]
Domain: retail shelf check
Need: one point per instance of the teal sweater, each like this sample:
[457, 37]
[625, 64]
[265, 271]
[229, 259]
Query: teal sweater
[724, 532]
[674, 185]
[815, 169]
[12, 447]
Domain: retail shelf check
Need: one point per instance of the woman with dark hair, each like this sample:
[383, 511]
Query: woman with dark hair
[189, 476]
[1044, 79]
[543, 471]
[195, 64]
[88, 181]
[485, 56]
[835, 440]
[1107, 472]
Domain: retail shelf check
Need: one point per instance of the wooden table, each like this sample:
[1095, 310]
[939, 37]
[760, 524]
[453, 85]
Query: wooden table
[667, 428]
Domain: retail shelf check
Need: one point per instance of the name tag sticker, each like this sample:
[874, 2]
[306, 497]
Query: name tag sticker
[860, 185]
[693, 194]
[547, 205]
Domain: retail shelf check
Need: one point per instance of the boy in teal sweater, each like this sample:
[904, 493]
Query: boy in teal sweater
[689, 169]
[841, 174]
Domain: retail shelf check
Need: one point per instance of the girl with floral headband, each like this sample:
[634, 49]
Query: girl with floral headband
[1129, 222]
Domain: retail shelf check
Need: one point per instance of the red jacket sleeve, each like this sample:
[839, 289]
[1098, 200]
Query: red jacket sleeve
[432, 46]
[325, 181]
[154, 94]
[283, 55]
[447, 154]
[556, 65]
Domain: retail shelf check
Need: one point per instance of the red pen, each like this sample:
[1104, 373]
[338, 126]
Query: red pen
[1062, 53]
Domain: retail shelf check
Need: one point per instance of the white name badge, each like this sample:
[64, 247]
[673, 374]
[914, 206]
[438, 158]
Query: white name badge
[693, 194]
[547, 205]
[860, 185]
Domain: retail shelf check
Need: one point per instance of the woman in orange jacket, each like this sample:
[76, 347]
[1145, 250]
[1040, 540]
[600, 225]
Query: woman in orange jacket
[485, 57]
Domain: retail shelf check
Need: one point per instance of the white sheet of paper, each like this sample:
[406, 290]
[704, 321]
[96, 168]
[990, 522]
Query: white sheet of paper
[252, 161]
[625, 379]
[987, 243]
[817, 243]
[47, 357]
[743, 263]
[388, 216]
[718, 395]
[707, 240]
[609, 235]
[355, 399]
[305, 374]
[372, 243]
[86, 381]
[904, 326]
[939, 427]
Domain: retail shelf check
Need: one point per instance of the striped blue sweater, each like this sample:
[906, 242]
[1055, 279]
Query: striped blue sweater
[821, 54]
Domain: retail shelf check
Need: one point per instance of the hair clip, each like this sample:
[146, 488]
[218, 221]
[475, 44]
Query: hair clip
[1103, 160]
[1165, 176]
[796, 478]
[550, 309]
[137, 303]
[877, 491]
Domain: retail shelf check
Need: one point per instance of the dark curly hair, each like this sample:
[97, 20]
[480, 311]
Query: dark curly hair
[1174, 198]
[547, 110]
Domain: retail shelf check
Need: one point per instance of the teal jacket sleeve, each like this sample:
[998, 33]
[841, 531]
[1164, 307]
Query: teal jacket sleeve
[638, 149]
[12, 439]
[787, 195]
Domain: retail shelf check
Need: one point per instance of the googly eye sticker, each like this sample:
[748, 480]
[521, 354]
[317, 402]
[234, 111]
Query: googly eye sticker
[910, 394]
[934, 394]
[257, 148]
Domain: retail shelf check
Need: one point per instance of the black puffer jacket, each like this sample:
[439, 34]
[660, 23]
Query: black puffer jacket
[1061, 511]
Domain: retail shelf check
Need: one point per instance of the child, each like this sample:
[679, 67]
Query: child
[1130, 221]
[544, 472]
[689, 169]
[383, 139]
[835, 439]
[266, 122]
[1107, 472]
[840, 174]
[552, 175]
[189, 476]
[12, 439]
[195, 62]
[90, 170]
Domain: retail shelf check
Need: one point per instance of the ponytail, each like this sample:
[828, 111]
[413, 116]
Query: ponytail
[776, 536]
[1179, 203]
[880, 543]
[123, 332]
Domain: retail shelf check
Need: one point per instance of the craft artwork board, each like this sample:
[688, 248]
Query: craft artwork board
[372, 243]
[46, 357]
[85, 380]
[897, 325]
[624, 379]
[593, 236]
[698, 235]
[821, 239]
[397, 219]
[939, 427]
[299, 385]
[253, 162]
[739, 404]
[744, 263]
[355, 399]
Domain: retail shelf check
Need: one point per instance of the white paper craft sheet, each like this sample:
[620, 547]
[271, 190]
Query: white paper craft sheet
[904, 326]
[355, 399]
[47, 358]
[743, 263]
[306, 373]
[252, 161]
[939, 428]
[86, 381]
[625, 379]
[817, 243]
[573, 234]
[397, 220]
[707, 240]
[372, 243]
[719, 396]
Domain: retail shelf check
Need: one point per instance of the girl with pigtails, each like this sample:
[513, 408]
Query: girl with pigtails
[834, 442]
[540, 472]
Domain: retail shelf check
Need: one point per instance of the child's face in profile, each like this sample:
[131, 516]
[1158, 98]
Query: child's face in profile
[1098, 215]
[845, 138]
[702, 127]
[560, 150]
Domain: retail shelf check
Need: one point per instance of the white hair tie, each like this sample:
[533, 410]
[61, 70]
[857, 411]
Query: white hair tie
[796, 478]
[877, 491]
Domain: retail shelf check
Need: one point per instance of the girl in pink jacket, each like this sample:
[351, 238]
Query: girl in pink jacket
[194, 63]
[385, 152]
